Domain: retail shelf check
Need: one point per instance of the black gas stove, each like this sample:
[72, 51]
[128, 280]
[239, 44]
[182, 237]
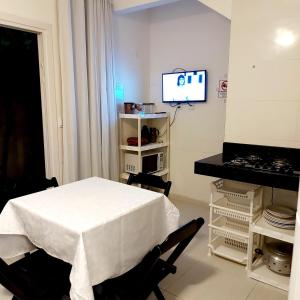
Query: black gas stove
[265, 165]
[277, 165]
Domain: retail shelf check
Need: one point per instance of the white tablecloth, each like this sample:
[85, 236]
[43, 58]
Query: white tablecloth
[103, 228]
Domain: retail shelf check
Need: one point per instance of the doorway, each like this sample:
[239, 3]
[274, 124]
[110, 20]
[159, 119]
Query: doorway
[21, 123]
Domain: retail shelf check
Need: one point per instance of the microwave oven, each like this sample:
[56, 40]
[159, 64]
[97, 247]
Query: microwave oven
[151, 163]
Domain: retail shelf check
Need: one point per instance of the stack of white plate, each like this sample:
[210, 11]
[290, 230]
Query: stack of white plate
[280, 216]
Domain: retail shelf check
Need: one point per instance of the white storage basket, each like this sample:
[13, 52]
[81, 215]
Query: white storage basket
[233, 207]
[230, 235]
[231, 226]
[238, 194]
[230, 213]
[227, 204]
[229, 248]
[239, 211]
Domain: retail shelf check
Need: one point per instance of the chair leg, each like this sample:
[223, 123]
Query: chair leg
[159, 295]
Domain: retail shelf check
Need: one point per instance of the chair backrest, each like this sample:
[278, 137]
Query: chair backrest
[154, 268]
[23, 186]
[139, 282]
[36, 277]
[32, 185]
[181, 237]
[44, 183]
[150, 180]
[11, 281]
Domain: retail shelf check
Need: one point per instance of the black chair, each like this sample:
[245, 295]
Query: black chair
[142, 280]
[27, 186]
[38, 276]
[150, 180]
[23, 186]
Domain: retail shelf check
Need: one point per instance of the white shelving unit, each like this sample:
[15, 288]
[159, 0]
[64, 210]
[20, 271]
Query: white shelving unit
[258, 270]
[237, 228]
[130, 125]
[147, 147]
[263, 228]
[233, 207]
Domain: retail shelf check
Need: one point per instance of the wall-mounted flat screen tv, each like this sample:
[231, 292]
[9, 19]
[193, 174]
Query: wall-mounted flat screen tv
[187, 86]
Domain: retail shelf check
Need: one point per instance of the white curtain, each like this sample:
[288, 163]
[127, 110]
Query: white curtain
[89, 106]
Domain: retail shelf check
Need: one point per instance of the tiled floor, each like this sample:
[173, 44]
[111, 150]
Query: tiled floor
[4, 294]
[200, 276]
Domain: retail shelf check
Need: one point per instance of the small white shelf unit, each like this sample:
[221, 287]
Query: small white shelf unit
[233, 207]
[257, 269]
[147, 147]
[130, 125]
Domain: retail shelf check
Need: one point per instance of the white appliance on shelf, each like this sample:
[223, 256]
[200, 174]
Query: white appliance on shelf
[150, 163]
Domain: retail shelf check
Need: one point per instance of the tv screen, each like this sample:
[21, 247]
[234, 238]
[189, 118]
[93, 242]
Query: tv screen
[189, 86]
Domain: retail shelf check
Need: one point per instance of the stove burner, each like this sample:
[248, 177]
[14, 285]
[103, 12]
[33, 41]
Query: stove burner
[253, 158]
[238, 161]
[255, 162]
[281, 163]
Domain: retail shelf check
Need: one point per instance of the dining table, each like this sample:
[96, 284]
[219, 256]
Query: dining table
[101, 227]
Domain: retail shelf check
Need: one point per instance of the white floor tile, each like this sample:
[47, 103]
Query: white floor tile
[5, 294]
[167, 295]
[263, 292]
[199, 284]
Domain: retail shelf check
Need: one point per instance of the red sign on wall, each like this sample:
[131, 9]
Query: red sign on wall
[222, 91]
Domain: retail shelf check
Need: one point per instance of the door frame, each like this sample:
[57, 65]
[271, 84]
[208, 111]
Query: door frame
[52, 121]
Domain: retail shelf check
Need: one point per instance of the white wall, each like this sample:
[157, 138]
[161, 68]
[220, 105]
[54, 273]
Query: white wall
[222, 7]
[125, 6]
[264, 91]
[189, 35]
[132, 54]
[42, 11]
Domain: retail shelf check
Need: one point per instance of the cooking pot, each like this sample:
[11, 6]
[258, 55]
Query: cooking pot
[277, 256]
[129, 107]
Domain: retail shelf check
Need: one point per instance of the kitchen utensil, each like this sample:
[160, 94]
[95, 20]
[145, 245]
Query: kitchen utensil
[277, 256]
[154, 133]
[139, 108]
[148, 108]
[129, 107]
[146, 133]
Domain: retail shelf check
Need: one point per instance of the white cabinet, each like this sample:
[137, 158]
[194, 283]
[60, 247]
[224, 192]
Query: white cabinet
[257, 269]
[130, 125]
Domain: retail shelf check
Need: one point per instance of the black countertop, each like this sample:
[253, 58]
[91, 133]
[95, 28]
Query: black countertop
[214, 166]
